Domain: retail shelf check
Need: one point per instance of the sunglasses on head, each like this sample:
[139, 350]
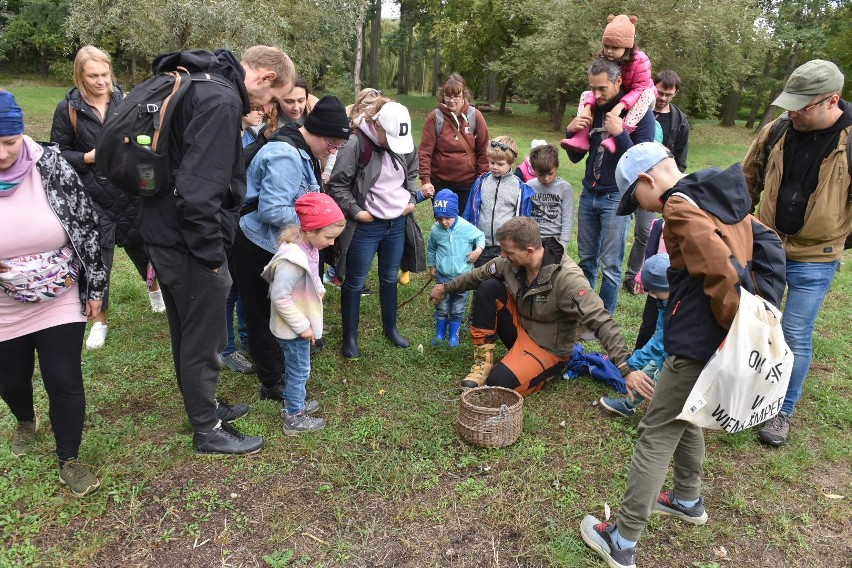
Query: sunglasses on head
[504, 147]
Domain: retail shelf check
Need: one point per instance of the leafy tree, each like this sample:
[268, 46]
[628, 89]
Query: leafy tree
[33, 31]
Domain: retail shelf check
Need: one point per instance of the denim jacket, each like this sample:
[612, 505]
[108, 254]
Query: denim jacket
[276, 178]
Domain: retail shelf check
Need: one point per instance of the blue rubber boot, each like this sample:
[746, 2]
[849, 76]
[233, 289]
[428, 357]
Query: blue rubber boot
[454, 333]
[440, 331]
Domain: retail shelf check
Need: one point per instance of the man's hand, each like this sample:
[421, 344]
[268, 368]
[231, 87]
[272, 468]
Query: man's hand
[641, 383]
[437, 294]
[613, 123]
[579, 123]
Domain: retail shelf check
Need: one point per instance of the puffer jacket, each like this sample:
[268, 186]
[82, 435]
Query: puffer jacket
[559, 300]
[73, 207]
[119, 212]
[635, 78]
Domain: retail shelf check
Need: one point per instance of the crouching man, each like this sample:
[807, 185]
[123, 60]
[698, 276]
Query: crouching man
[532, 298]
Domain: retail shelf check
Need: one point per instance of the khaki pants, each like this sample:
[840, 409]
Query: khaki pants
[661, 437]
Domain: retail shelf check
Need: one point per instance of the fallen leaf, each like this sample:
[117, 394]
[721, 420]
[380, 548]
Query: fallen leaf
[833, 496]
[382, 392]
[606, 511]
[721, 552]
[562, 424]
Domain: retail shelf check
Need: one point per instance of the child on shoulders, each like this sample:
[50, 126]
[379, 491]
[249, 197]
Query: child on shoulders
[553, 202]
[296, 292]
[453, 247]
[497, 196]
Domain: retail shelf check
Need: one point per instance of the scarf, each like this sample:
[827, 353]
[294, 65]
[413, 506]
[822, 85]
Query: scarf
[15, 174]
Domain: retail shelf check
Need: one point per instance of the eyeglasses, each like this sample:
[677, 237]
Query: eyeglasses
[332, 145]
[803, 110]
[665, 95]
[504, 147]
[375, 93]
[457, 97]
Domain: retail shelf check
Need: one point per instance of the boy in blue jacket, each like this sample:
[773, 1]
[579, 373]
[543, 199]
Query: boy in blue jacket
[650, 358]
[454, 245]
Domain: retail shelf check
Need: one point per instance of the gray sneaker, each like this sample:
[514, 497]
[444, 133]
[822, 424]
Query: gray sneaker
[302, 423]
[311, 407]
[78, 478]
[598, 535]
[776, 431]
[24, 437]
[237, 362]
[667, 505]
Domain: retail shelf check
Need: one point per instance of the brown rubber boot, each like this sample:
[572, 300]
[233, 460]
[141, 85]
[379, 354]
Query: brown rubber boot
[483, 362]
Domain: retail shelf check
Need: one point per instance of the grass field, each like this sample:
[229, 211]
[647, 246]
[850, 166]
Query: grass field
[389, 482]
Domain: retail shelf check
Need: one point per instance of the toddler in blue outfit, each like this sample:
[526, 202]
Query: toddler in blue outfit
[454, 245]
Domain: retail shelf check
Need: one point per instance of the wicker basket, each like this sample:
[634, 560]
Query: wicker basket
[490, 417]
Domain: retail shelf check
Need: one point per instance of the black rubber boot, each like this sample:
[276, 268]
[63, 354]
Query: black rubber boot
[387, 300]
[350, 308]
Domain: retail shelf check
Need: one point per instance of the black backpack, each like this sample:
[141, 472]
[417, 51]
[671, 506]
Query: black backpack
[147, 110]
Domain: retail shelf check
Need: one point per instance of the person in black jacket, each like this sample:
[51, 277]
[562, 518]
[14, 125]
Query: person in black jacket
[188, 229]
[77, 121]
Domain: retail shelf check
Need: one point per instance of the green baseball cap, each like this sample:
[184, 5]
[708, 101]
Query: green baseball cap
[816, 77]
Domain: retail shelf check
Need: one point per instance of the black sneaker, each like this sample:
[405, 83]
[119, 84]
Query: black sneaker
[366, 292]
[275, 392]
[666, 505]
[226, 440]
[598, 535]
[230, 412]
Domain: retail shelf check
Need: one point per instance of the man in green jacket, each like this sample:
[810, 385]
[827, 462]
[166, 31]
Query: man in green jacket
[532, 298]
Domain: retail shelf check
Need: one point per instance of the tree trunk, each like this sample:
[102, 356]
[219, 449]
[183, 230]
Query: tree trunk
[557, 118]
[729, 115]
[133, 70]
[505, 95]
[543, 104]
[359, 46]
[758, 94]
[405, 64]
[436, 70]
[375, 39]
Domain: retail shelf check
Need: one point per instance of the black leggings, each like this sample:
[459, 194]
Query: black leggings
[59, 351]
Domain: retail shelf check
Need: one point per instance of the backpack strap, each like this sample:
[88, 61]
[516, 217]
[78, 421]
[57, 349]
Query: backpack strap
[72, 115]
[471, 118]
[776, 131]
[439, 123]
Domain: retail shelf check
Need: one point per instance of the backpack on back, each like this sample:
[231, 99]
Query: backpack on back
[144, 169]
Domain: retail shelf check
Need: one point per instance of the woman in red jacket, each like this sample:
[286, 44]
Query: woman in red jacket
[453, 146]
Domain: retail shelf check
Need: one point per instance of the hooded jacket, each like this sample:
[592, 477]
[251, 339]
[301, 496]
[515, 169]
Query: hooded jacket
[199, 216]
[551, 308]
[120, 212]
[296, 296]
[445, 156]
[523, 207]
[828, 215]
[709, 235]
[678, 138]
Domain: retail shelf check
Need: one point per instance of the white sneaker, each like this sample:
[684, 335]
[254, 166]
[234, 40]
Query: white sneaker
[158, 306]
[97, 335]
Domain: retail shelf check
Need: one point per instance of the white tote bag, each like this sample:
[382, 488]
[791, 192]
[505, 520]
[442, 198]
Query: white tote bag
[745, 381]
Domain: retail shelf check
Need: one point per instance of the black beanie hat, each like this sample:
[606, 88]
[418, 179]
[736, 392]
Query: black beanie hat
[328, 118]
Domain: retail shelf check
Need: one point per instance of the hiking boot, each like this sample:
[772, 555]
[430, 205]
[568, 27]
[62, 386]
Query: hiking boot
[158, 306]
[78, 478]
[224, 439]
[230, 412]
[598, 535]
[236, 362]
[24, 437]
[97, 335]
[311, 406]
[666, 505]
[775, 431]
[302, 423]
[618, 406]
[274, 392]
[483, 362]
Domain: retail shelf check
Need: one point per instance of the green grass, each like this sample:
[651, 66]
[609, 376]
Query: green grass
[389, 482]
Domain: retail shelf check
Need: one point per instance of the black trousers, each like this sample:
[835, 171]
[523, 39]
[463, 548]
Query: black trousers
[195, 299]
[138, 257]
[58, 351]
[649, 322]
[249, 260]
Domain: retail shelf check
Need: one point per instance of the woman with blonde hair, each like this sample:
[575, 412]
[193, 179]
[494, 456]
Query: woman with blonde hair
[77, 121]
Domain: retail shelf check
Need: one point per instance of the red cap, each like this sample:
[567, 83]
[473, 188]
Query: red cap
[317, 210]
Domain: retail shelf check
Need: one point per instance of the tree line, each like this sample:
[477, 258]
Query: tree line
[733, 57]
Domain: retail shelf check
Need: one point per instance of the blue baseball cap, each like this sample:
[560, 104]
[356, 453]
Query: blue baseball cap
[637, 160]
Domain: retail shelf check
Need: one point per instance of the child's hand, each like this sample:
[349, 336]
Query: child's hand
[432, 271]
[309, 335]
[474, 255]
[618, 109]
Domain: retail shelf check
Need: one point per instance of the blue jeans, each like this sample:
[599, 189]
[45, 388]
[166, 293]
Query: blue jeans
[452, 307]
[807, 285]
[601, 238]
[385, 237]
[297, 369]
[233, 302]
